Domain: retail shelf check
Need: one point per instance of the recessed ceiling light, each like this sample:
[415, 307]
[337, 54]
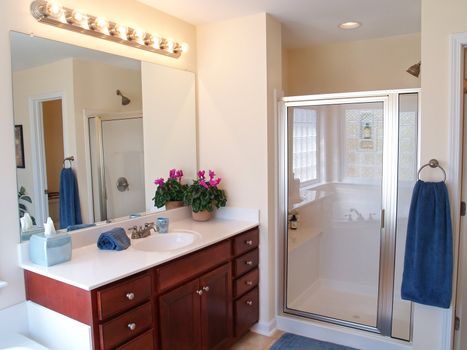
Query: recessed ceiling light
[350, 25]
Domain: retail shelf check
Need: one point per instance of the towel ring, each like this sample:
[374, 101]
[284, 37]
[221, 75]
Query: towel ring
[69, 159]
[433, 163]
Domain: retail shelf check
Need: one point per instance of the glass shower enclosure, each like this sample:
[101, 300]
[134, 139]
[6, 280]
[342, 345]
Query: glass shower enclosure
[350, 163]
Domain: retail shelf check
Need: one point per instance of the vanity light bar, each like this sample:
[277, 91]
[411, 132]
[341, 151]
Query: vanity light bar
[53, 13]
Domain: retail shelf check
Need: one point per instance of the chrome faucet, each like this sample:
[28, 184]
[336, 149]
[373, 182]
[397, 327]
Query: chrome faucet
[359, 215]
[140, 231]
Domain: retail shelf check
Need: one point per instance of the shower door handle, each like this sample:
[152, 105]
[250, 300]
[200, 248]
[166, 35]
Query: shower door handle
[382, 218]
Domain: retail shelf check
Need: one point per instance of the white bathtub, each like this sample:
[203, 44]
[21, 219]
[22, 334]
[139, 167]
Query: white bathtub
[15, 341]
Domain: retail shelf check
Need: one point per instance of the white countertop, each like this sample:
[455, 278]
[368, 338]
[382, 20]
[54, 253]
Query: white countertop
[90, 268]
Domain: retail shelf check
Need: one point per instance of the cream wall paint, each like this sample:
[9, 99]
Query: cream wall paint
[48, 80]
[363, 65]
[235, 110]
[15, 16]
[95, 85]
[169, 142]
[439, 21]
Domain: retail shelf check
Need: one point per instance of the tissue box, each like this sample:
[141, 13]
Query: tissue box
[51, 250]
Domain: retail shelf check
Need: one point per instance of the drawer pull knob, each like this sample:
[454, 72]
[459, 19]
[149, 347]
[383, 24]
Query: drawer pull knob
[249, 242]
[206, 288]
[199, 292]
[249, 283]
[132, 326]
[249, 262]
[130, 296]
[249, 302]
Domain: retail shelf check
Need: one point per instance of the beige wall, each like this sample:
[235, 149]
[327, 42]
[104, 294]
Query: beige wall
[234, 106]
[95, 85]
[47, 81]
[440, 19]
[364, 65]
[15, 16]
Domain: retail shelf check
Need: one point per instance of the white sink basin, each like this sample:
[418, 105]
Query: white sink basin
[163, 242]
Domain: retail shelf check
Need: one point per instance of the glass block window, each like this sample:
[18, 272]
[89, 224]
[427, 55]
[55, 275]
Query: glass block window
[407, 146]
[363, 137]
[305, 147]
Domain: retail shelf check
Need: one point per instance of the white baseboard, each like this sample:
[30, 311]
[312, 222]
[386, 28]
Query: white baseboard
[339, 335]
[265, 328]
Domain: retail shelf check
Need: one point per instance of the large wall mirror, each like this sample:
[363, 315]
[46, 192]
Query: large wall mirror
[110, 123]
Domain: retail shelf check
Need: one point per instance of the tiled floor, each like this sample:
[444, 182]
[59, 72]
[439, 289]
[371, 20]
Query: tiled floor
[253, 341]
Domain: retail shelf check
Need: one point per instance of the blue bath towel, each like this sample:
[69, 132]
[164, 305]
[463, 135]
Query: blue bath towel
[115, 239]
[78, 227]
[70, 211]
[427, 277]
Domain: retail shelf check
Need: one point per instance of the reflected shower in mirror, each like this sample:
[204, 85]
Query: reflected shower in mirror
[81, 103]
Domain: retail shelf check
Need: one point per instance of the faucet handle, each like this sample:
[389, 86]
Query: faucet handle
[133, 229]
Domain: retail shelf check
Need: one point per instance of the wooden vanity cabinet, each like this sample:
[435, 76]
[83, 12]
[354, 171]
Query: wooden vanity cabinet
[204, 300]
[197, 315]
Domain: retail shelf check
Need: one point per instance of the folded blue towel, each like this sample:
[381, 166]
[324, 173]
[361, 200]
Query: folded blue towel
[78, 227]
[427, 277]
[115, 239]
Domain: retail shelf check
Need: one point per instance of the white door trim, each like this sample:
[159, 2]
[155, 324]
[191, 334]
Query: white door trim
[454, 177]
[37, 147]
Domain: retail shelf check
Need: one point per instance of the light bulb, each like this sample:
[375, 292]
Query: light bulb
[78, 18]
[184, 47]
[138, 36]
[100, 24]
[54, 9]
[170, 46]
[156, 42]
[122, 32]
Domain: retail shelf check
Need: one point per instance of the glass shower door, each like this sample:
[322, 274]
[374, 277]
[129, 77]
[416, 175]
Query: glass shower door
[335, 185]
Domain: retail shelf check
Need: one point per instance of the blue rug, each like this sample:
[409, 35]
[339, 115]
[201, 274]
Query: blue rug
[296, 342]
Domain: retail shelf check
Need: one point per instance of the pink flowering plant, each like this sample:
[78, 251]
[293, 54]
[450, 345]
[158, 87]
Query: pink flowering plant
[170, 190]
[204, 193]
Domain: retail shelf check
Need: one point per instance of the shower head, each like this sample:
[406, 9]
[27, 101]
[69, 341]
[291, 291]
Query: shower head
[125, 100]
[414, 69]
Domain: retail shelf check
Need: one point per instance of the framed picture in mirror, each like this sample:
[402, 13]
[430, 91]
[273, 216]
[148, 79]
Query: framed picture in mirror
[19, 146]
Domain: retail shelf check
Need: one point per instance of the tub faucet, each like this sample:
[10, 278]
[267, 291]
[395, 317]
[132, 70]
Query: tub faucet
[359, 215]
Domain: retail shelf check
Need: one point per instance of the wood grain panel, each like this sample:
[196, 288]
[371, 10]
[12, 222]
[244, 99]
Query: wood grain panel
[188, 267]
[63, 298]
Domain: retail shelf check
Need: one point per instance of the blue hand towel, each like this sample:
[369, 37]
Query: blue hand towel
[427, 277]
[70, 211]
[78, 227]
[115, 239]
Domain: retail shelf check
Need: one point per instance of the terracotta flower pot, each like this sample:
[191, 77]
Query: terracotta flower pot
[202, 215]
[173, 204]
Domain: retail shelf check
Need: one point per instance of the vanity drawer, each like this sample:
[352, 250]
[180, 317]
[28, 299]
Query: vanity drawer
[126, 326]
[246, 262]
[141, 342]
[246, 241]
[246, 282]
[246, 312]
[123, 296]
[192, 265]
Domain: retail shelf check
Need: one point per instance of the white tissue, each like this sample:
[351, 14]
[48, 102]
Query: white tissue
[26, 222]
[49, 228]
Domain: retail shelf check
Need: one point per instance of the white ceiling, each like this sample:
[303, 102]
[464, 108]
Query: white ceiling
[307, 22]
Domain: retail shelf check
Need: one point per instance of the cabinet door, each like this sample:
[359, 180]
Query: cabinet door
[179, 318]
[216, 308]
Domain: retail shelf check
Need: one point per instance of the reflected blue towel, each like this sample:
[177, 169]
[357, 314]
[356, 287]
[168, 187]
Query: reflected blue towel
[427, 277]
[115, 239]
[70, 211]
[78, 227]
